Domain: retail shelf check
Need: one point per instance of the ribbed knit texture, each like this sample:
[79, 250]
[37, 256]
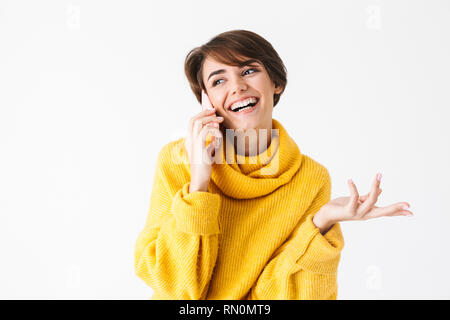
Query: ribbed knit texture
[250, 236]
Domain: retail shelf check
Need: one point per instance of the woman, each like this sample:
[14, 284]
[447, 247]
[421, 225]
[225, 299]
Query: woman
[245, 220]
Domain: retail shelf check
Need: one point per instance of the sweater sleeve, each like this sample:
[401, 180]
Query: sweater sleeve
[305, 266]
[176, 251]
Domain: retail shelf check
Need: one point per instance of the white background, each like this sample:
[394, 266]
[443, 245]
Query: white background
[91, 90]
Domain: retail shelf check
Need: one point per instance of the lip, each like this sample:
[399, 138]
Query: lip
[241, 99]
[252, 109]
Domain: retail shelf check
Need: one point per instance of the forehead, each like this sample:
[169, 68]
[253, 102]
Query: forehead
[211, 64]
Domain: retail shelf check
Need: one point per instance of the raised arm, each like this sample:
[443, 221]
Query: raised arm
[176, 252]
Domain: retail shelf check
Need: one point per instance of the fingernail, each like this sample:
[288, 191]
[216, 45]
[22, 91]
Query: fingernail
[379, 176]
[350, 180]
[405, 207]
[407, 214]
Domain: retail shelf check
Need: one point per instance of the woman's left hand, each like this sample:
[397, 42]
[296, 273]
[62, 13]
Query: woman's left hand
[357, 208]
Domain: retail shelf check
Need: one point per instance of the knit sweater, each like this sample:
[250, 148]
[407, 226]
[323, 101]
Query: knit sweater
[249, 237]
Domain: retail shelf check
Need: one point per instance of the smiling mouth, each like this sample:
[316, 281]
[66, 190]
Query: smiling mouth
[247, 108]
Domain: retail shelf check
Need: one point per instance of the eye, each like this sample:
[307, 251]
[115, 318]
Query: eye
[254, 70]
[215, 82]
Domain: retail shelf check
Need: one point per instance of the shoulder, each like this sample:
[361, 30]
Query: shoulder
[313, 181]
[172, 165]
[173, 153]
[315, 173]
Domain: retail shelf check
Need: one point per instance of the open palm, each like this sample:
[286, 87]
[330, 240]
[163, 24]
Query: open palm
[357, 207]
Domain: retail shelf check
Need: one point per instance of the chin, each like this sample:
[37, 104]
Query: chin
[246, 126]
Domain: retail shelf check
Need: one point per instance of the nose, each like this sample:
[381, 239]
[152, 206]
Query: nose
[238, 85]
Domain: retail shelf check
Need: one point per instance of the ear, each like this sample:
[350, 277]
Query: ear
[278, 89]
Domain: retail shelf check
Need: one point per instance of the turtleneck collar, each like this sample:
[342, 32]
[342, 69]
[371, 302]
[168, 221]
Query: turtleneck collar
[246, 177]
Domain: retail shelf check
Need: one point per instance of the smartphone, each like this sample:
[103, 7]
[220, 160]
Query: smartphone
[206, 103]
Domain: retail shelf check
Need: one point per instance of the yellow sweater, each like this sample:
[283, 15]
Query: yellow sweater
[251, 236]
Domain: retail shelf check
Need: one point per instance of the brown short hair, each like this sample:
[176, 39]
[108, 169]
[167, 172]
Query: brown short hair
[225, 48]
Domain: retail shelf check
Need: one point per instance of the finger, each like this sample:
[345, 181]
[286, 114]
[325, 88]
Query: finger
[403, 213]
[214, 122]
[192, 121]
[201, 121]
[394, 209]
[210, 130]
[364, 197]
[406, 213]
[210, 121]
[373, 196]
[354, 195]
[203, 155]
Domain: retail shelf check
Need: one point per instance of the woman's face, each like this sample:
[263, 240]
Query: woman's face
[227, 84]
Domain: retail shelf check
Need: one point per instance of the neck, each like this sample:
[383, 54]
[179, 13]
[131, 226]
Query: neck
[255, 145]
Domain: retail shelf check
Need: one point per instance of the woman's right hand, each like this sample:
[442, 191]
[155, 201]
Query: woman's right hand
[201, 156]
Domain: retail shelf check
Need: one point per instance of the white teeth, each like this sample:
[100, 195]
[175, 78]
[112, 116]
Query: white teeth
[243, 103]
[244, 109]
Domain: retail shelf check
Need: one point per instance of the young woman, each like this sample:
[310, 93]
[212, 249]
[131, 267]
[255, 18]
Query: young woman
[250, 219]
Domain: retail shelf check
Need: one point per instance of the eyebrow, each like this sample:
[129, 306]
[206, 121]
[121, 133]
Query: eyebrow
[241, 64]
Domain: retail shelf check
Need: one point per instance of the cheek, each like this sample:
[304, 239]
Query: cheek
[261, 84]
[218, 98]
